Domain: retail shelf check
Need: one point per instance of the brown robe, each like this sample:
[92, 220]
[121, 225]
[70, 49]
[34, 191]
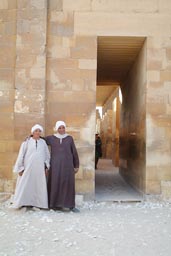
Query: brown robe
[61, 180]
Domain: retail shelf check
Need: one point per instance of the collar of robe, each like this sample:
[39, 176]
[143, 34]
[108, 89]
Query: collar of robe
[61, 136]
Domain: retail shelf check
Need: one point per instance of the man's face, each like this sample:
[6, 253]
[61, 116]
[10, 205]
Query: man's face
[61, 129]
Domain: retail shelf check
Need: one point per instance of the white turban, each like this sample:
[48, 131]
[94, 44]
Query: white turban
[58, 124]
[35, 127]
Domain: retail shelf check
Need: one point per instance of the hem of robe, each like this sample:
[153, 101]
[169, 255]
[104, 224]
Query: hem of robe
[61, 206]
[17, 206]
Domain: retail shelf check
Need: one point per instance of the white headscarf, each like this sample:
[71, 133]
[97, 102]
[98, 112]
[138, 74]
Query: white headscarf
[58, 135]
[35, 127]
[58, 124]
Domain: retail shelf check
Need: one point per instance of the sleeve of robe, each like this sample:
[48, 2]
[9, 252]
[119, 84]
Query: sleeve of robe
[75, 154]
[19, 165]
[47, 156]
[47, 139]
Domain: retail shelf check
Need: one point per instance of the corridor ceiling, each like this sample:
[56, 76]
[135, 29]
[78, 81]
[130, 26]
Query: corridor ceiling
[115, 56]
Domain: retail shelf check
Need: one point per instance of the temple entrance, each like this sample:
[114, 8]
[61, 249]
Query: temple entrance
[120, 122]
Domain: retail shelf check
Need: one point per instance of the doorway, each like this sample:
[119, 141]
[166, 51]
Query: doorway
[121, 79]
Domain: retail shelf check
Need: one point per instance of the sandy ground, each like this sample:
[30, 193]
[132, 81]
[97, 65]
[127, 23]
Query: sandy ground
[100, 229]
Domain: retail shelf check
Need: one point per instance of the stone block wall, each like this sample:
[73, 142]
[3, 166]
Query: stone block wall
[133, 125]
[8, 17]
[71, 88]
[48, 52]
[158, 157]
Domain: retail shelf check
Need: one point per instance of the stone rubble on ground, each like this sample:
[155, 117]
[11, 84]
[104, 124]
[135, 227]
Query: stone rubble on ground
[100, 229]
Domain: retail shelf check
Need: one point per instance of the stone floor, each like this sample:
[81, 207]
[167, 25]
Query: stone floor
[110, 186]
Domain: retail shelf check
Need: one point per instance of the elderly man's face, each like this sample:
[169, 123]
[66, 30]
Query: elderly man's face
[61, 129]
[36, 134]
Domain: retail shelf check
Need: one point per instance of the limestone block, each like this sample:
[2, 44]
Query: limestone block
[63, 63]
[154, 65]
[37, 73]
[155, 85]
[152, 173]
[154, 42]
[56, 51]
[23, 26]
[89, 174]
[78, 85]
[79, 5]
[38, 4]
[164, 173]
[164, 8]
[63, 110]
[6, 146]
[6, 168]
[165, 76]
[30, 39]
[75, 121]
[125, 6]
[73, 97]
[168, 109]
[1, 185]
[20, 107]
[153, 187]
[6, 159]
[61, 23]
[166, 190]
[79, 174]
[105, 24]
[10, 28]
[87, 64]
[154, 54]
[88, 74]
[25, 61]
[8, 16]
[9, 186]
[153, 76]
[12, 4]
[84, 187]
[84, 48]
[55, 5]
[168, 54]
[23, 4]
[4, 4]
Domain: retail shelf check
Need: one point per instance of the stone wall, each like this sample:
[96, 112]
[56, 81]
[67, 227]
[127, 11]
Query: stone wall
[71, 87]
[158, 121]
[132, 125]
[7, 85]
[48, 52]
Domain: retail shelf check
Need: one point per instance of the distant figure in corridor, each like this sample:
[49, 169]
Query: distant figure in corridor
[31, 165]
[64, 164]
[98, 149]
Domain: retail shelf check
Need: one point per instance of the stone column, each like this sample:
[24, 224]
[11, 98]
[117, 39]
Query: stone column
[7, 69]
[30, 70]
[71, 87]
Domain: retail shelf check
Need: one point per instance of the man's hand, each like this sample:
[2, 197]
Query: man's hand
[21, 173]
[46, 172]
[76, 170]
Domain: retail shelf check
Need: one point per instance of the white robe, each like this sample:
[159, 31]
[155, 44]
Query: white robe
[31, 187]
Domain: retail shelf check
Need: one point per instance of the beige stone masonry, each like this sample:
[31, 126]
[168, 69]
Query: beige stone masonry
[88, 23]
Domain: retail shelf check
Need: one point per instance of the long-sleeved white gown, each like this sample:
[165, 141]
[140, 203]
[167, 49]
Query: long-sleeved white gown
[31, 187]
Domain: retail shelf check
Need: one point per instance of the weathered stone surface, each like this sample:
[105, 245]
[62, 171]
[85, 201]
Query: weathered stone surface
[4, 4]
[125, 6]
[48, 72]
[79, 5]
[107, 24]
[55, 5]
[166, 190]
